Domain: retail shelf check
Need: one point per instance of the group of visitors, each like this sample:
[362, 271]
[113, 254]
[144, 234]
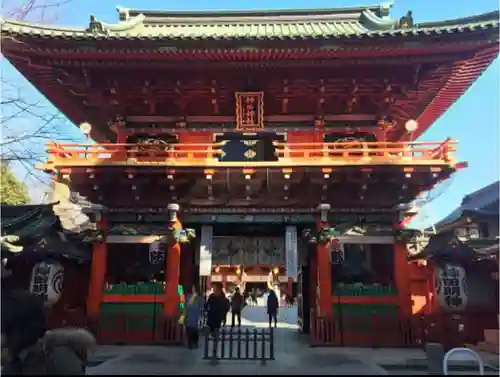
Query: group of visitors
[216, 309]
[29, 348]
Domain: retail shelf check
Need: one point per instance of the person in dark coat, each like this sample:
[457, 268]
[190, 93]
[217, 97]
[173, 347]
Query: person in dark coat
[237, 303]
[29, 349]
[216, 308]
[227, 308]
[272, 307]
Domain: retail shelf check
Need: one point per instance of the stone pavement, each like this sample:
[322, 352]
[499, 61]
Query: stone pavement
[292, 356]
[292, 353]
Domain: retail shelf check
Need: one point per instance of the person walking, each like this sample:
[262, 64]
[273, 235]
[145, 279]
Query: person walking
[192, 313]
[272, 307]
[237, 304]
[227, 307]
[216, 308]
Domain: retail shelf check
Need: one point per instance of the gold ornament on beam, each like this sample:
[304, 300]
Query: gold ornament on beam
[385, 126]
[250, 153]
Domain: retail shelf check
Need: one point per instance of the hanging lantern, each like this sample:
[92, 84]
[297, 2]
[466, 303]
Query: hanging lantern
[47, 281]
[336, 254]
[156, 254]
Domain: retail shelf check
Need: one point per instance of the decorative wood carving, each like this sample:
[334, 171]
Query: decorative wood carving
[117, 124]
[249, 110]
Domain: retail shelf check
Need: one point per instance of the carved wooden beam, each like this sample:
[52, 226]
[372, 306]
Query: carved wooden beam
[149, 98]
[181, 101]
[215, 103]
[320, 100]
[284, 101]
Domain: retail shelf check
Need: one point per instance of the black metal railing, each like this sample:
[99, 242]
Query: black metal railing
[239, 344]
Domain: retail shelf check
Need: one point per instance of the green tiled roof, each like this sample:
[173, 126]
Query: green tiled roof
[373, 21]
[27, 225]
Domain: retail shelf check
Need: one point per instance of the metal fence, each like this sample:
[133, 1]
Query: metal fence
[239, 344]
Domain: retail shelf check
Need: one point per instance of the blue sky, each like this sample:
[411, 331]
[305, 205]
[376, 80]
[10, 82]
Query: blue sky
[473, 120]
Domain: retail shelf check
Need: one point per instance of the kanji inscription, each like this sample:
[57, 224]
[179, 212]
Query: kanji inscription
[249, 110]
[40, 280]
[451, 287]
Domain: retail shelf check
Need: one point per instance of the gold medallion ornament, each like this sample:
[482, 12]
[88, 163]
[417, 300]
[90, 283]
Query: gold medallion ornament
[250, 153]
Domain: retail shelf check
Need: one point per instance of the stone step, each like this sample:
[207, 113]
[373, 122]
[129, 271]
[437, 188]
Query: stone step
[491, 336]
[488, 347]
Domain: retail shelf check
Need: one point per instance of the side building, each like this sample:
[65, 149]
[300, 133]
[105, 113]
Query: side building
[461, 265]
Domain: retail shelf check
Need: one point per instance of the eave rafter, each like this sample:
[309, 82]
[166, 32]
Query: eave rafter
[357, 37]
[109, 93]
[376, 187]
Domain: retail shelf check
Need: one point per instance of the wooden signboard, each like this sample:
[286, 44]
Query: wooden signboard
[249, 111]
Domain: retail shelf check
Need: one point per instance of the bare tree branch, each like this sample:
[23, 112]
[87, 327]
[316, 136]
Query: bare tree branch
[27, 120]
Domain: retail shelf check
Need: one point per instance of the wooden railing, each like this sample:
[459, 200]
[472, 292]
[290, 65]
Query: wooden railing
[209, 154]
[371, 150]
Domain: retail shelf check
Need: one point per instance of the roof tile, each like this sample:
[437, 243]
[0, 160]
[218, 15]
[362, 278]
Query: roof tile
[287, 24]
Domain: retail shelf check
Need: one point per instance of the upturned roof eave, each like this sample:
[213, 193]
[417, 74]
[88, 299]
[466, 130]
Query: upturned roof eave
[473, 204]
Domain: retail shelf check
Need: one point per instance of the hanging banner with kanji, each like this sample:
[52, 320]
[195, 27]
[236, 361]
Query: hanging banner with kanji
[249, 111]
[291, 252]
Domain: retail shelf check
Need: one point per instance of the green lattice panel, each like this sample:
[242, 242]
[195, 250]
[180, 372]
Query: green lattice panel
[142, 316]
[135, 289]
[366, 290]
[358, 318]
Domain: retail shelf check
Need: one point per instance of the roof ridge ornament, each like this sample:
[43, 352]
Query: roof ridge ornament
[406, 22]
[96, 26]
[385, 9]
[99, 27]
[123, 13]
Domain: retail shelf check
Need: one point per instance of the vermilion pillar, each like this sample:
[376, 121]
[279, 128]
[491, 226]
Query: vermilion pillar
[324, 270]
[98, 272]
[402, 278]
[172, 268]
[432, 303]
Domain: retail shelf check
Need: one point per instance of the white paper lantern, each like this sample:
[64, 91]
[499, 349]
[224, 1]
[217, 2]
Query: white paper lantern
[451, 287]
[411, 125]
[47, 281]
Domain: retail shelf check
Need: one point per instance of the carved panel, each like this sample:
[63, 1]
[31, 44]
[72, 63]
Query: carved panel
[248, 250]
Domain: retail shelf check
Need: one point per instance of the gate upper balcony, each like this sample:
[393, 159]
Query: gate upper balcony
[282, 155]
